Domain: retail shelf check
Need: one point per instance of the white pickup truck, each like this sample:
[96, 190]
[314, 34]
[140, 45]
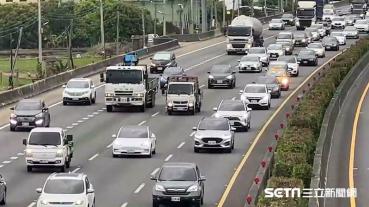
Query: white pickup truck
[48, 147]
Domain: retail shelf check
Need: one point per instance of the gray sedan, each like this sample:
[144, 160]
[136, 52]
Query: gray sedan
[272, 84]
[221, 76]
[250, 63]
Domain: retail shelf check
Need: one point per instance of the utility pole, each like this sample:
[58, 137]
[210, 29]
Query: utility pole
[11, 84]
[154, 16]
[233, 2]
[191, 17]
[40, 61]
[224, 14]
[102, 28]
[203, 16]
[71, 62]
[117, 40]
[181, 20]
[143, 30]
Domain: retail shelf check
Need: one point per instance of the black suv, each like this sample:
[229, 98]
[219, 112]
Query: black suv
[178, 183]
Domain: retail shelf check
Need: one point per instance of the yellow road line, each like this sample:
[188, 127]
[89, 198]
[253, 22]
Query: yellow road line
[258, 136]
[353, 142]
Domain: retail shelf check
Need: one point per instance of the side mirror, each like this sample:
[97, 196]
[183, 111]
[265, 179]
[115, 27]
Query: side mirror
[152, 178]
[92, 86]
[202, 178]
[24, 141]
[194, 128]
[64, 86]
[39, 190]
[90, 190]
[153, 135]
[69, 137]
[241, 91]
[45, 109]
[102, 78]
[233, 72]
[12, 108]
[249, 109]
[215, 109]
[233, 129]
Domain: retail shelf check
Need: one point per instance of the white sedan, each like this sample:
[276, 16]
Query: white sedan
[276, 24]
[79, 90]
[134, 140]
[318, 48]
[339, 36]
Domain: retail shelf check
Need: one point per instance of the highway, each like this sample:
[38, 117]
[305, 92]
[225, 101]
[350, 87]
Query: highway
[125, 182]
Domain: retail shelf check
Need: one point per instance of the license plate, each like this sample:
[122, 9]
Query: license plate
[212, 142]
[305, 61]
[123, 100]
[219, 81]
[254, 101]
[175, 199]
[274, 55]
[328, 47]
[44, 161]
[181, 109]
[160, 68]
[248, 67]
[25, 124]
[75, 99]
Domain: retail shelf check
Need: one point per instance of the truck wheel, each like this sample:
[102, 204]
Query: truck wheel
[169, 112]
[109, 108]
[65, 103]
[12, 128]
[62, 168]
[29, 168]
[155, 204]
[94, 99]
[142, 108]
[67, 163]
[196, 150]
[192, 112]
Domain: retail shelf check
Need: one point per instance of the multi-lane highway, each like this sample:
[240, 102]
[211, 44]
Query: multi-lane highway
[125, 181]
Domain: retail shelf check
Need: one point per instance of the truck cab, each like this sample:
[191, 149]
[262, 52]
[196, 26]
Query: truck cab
[48, 147]
[305, 14]
[183, 95]
[129, 86]
[358, 7]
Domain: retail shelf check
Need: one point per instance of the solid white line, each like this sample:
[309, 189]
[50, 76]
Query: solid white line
[4, 126]
[100, 110]
[154, 172]
[6, 162]
[55, 104]
[155, 114]
[205, 61]
[103, 108]
[139, 188]
[181, 145]
[75, 170]
[13, 158]
[192, 133]
[93, 157]
[32, 204]
[168, 158]
[124, 204]
[141, 123]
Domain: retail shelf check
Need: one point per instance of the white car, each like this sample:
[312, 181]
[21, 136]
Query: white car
[134, 140]
[318, 48]
[315, 36]
[321, 29]
[351, 32]
[79, 90]
[338, 22]
[276, 24]
[66, 189]
[362, 25]
[236, 111]
[256, 95]
[339, 36]
[293, 65]
[275, 50]
[260, 52]
[250, 63]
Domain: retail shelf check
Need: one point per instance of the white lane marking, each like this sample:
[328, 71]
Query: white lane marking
[95, 113]
[32, 204]
[1, 166]
[205, 61]
[192, 133]
[100, 110]
[90, 115]
[202, 86]
[3, 127]
[155, 171]
[124, 204]
[85, 118]
[20, 154]
[93, 157]
[168, 158]
[110, 145]
[234, 98]
[181, 145]
[141, 123]
[139, 188]
[55, 104]
[75, 170]
[104, 108]
[13, 158]
[203, 48]
[155, 114]
[80, 121]
[6, 162]
[75, 124]
[69, 127]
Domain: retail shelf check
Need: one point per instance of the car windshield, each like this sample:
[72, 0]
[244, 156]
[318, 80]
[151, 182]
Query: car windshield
[315, 46]
[161, 56]
[287, 16]
[232, 106]
[328, 12]
[169, 173]
[287, 59]
[220, 69]
[133, 132]
[78, 84]
[260, 50]
[180, 89]
[305, 12]
[359, 21]
[239, 31]
[275, 47]
[275, 21]
[255, 89]
[330, 40]
[338, 19]
[124, 76]
[250, 59]
[306, 52]
[284, 36]
[64, 186]
[276, 72]
[299, 35]
[336, 34]
[44, 138]
[214, 124]
[28, 105]
[174, 71]
[350, 28]
[267, 80]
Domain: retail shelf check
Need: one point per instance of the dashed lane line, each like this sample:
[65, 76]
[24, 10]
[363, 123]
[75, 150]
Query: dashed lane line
[181, 145]
[93, 157]
[168, 158]
[139, 188]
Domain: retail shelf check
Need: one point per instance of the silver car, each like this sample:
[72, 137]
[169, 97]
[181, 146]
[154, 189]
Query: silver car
[260, 52]
[338, 22]
[256, 95]
[134, 140]
[250, 63]
[362, 25]
[339, 36]
[236, 111]
[351, 32]
[214, 133]
[314, 33]
[275, 50]
[318, 48]
[276, 24]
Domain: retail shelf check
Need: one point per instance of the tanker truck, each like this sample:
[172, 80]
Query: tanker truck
[244, 32]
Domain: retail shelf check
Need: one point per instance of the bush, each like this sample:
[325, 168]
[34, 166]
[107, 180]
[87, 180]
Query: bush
[303, 171]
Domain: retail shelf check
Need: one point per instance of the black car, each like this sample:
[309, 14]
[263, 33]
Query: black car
[178, 183]
[161, 61]
[301, 39]
[272, 84]
[288, 19]
[331, 43]
[2, 191]
[170, 71]
[222, 76]
[29, 113]
[307, 57]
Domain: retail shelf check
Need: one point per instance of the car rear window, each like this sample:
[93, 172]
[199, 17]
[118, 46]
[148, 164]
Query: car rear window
[44, 138]
[64, 186]
[133, 132]
[175, 173]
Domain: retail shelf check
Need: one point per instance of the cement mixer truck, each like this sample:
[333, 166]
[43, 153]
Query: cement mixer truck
[244, 32]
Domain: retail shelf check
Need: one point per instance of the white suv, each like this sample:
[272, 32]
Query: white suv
[79, 90]
[256, 95]
[66, 189]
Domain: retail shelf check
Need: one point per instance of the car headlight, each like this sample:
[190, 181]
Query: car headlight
[288, 49]
[275, 88]
[39, 115]
[265, 98]
[109, 94]
[190, 104]
[44, 202]
[168, 64]
[39, 121]
[79, 202]
[146, 144]
[153, 64]
[138, 94]
[12, 115]
[280, 52]
[59, 153]
[285, 81]
[211, 77]
[85, 92]
[29, 153]
[193, 188]
[159, 188]
[229, 77]
[170, 104]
